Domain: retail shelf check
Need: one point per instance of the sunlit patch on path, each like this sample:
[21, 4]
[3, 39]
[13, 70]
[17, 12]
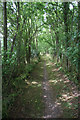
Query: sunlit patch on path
[64, 90]
[52, 107]
[48, 93]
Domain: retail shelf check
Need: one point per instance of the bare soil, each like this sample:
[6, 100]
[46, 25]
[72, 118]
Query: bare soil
[47, 94]
[52, 109]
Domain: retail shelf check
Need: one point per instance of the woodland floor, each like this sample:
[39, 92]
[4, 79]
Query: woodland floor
[48, 93]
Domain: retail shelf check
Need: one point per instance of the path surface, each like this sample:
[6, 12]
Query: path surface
[52, 109]
[47, 94]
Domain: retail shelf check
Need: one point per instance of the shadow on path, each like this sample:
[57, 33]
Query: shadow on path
[52, 109]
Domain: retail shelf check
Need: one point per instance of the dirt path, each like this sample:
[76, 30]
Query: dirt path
[52, 109]
[47, 94]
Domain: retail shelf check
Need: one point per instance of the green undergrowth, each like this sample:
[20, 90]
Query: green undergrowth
[15, 87]
[29, 103]
[72, 75]
[62, 91]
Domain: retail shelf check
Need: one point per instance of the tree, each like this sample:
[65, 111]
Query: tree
[5, 29]
[78, 41]
[66, 12]
[78, 76]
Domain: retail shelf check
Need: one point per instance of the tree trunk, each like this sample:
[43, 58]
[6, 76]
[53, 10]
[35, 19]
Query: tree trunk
[14, 38]
[29, 49]
[57, 45]
[5, 29]
[28, 44]
[19, 41]
[18, 7]
[65, 11]
[13, 43]
[78, 39]
[57, 34]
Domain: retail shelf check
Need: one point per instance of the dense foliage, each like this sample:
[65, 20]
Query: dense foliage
[32, 29]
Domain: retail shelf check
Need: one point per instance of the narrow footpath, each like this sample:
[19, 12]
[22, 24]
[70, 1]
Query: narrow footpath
[47, 93]
[52, 109]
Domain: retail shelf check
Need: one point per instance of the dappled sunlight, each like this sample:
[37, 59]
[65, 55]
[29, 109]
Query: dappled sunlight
[40, 43]
[55, 105]
[65, 76]
[48, 56]
[65, 97]
[73, 88]
[66, 91]
[60, 80]
[48, 64]
[53, 81]
[57, 102]
[67, 81]
[55, 70]
[26, 81]
[34, 82]
[58, 75]
[69, 102]
[53, 64]
[59, 68]
[68, 96]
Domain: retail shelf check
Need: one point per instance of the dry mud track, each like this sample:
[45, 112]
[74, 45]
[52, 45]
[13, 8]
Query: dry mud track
[52, 109]
[47, 94]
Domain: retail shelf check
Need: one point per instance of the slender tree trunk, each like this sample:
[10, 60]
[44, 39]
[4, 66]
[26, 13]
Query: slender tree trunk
[5, 29]
[13, 43]
[65, 11]
[29, 44]
[57, 33]
[18, 7]
[78, 39]
[36, 42]
[19, 41]
[14, 38]
[29, 52]
[26, 41]
[29, 49]
[57, 45]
